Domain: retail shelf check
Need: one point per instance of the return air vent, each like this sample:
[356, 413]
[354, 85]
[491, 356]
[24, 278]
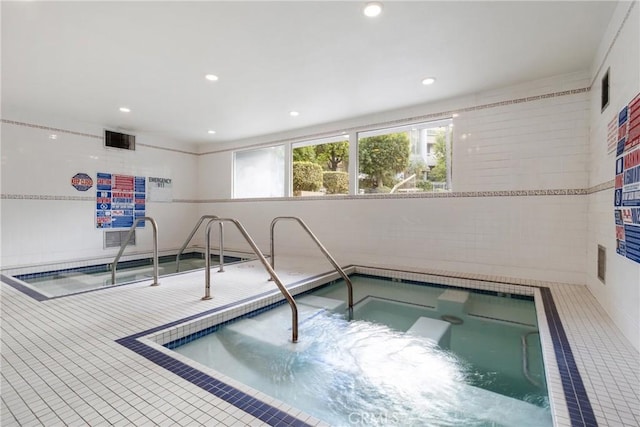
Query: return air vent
[114, 239]
[602, 262]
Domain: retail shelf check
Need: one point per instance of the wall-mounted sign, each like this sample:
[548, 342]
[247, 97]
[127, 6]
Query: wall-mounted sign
[626, 199]
[81, 182]
[120, 199]
[159, 189]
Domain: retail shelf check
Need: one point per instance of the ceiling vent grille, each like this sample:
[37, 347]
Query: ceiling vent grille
[602, 263]
[114, 239]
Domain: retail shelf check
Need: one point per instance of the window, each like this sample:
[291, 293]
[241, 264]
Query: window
[321, 167]
[259, 173]
[405, 159]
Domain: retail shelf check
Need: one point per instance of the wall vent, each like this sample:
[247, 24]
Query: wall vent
[114, 239]
[119, 140]
[604, 94]
[602, 262]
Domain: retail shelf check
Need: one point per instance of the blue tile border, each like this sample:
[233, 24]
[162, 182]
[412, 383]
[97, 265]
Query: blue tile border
[98, 268]
[578, 405]
[577, 401]
[259, 409]
[22, 288]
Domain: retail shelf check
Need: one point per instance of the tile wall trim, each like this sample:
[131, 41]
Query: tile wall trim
[47, 197]
[88, 135]
[460, 194]
[406, 121]
[51, 129]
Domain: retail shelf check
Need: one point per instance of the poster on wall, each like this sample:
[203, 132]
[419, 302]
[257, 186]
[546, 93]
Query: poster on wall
[159, 189]
[627, 182]
[120, 199]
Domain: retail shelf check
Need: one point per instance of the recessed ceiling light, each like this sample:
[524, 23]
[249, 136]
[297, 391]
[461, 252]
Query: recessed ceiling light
[53, 136]
[373, 9]
[211, 132]
[125, 109]
[454, 115]
[294, 113]
[211, 77]
[428, 81]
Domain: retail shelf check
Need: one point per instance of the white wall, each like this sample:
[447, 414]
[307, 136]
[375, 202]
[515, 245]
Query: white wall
[45, 219]
[531, 137]
[620, 295]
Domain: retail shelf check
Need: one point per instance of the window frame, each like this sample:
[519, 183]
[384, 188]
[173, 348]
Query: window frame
[352, 137]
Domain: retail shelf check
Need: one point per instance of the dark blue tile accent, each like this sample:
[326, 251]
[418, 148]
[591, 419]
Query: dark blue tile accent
[99, 268]
[22, 288]
[267, 413]
[580, 411]
[438, 285]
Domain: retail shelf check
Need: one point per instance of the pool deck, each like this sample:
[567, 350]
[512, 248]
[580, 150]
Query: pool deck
[61, 364]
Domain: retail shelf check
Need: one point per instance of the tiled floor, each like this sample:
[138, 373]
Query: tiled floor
[61, 364]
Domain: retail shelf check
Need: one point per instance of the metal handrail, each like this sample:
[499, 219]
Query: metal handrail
[193, 232]
[265, 263]
[525, 359]
[126, 241]
[322, 248]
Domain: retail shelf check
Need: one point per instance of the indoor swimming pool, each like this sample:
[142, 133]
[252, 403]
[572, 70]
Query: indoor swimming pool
[409, 354]
[58, 282]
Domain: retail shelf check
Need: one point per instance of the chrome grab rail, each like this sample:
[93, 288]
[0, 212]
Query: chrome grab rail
[126, 241]
[525, 359]
[193, 232]
[263, 260]
[322, 248]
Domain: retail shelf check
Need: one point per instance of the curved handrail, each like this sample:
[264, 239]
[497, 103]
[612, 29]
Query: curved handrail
[265, 263]
[322, 248]
[525, 359]
[126, 241]
[193, 232]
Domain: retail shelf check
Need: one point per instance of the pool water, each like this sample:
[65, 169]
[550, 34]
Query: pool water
[381, 367]
[70, 281]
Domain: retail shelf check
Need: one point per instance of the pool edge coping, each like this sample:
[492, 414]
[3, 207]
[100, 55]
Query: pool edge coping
[574, 396]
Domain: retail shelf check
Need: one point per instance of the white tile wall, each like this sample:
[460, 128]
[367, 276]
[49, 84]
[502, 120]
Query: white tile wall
[541, 237]
[532, 145]
[620, 296]
[62, 228]
[540, 144]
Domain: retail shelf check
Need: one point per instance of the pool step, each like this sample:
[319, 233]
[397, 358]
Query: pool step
[322, 302]
[434, 329]
[274, 326]
[453, 302]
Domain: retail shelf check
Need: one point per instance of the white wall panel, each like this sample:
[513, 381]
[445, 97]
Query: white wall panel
[45, 219]
[620, 54]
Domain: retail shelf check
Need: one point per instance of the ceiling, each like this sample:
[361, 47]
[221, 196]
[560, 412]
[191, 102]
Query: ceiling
[82, 61]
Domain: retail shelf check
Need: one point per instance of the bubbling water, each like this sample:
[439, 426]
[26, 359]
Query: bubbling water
[350, 373]
[361, 373]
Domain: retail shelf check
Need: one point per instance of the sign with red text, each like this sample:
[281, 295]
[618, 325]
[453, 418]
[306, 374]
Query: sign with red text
[81, 182]
[120, 199]
[626, 199]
